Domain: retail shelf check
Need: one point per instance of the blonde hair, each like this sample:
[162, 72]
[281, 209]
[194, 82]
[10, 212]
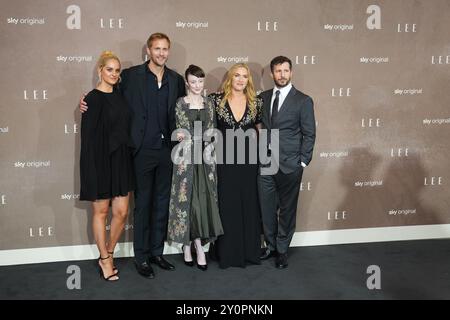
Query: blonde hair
[157, 36]
[105, 56]
[249, 90]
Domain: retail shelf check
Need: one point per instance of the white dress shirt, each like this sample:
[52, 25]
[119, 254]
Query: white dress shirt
[283, 94]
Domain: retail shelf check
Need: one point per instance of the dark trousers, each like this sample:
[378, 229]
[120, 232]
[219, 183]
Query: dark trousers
[279, 191]
[151, 199]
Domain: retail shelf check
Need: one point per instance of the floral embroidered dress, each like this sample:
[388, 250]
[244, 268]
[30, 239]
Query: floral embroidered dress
[193, 207]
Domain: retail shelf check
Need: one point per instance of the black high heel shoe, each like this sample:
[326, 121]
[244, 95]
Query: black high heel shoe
[102, 275]
[188, 263]
[202, 267]
[114, 267]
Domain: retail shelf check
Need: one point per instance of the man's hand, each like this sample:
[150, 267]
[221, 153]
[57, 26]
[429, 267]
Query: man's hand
[83, 105]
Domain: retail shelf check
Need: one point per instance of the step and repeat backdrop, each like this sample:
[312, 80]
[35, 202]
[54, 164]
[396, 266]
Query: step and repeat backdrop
[378, 72]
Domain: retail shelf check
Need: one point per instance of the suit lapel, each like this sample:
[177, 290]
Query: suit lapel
[288, 100]
[142, 83]
[266, 108]
[171, 81]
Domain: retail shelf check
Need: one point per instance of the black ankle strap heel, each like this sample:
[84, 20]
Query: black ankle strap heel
[102, 275]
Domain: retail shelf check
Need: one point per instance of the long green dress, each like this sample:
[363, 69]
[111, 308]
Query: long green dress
[193, 207]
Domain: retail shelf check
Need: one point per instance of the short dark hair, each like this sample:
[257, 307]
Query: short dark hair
[280, 60]
[194, 71]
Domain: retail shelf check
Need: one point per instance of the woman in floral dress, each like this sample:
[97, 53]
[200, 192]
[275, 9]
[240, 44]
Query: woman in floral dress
[193, 209]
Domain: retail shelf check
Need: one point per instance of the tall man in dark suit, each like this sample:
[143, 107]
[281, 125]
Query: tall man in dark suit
[151, 90]
[291, 112]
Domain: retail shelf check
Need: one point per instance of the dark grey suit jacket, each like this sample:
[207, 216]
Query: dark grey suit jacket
[297, 128]
[133, 88]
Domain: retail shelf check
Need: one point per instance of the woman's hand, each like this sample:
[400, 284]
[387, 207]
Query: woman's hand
[83, 105]
[180, 136]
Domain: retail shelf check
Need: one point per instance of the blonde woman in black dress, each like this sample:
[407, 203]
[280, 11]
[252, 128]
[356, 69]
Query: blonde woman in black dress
[106, 171]
[238, 109]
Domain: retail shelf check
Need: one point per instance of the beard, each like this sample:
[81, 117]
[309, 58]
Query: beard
[281, 85]
[155, 61]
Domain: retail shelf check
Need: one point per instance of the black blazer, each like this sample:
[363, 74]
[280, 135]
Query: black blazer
[132, 86]
[297, 128]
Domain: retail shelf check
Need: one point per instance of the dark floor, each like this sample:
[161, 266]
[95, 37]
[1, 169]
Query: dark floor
[409, 270]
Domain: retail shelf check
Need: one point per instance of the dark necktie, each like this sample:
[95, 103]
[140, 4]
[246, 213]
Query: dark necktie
[275, 109]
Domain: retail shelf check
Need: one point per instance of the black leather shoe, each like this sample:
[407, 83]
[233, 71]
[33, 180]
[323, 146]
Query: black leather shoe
[162, 263]
[145, 270]
[281, 261]
[266, 254]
